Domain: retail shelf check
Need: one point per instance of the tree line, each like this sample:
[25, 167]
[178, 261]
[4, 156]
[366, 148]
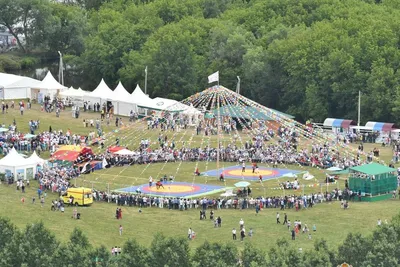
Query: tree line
[309, 58]
[37, 246]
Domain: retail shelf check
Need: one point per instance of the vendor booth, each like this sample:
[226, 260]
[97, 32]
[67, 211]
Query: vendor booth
[16, 167]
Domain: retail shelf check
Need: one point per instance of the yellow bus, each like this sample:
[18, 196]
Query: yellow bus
[80, 196]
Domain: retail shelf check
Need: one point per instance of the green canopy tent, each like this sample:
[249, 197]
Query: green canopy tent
[374, 181]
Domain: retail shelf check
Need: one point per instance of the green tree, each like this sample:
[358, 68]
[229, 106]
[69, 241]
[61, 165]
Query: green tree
[75, 252]
[68, 30]
[354, 249]
[252, 256]
[168, 251]
[100, 256]
[26, 20]
[215, 254]
[36, 246]
[134, 254]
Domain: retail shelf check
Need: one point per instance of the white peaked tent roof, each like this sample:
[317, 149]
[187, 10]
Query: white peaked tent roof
[80, 93]
[50, 83]
[71, 92]
[68, 92]
[13, 159]
[120, 94]
[139, 97]
[102, 91]
[34, 158]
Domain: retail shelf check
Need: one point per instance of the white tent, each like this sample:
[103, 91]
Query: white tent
[123, 101]
[125, 152]
[101, 94]
[68, 93]
[34, 158]
[49, 87]
[74, 93]
[16, 87]
[138, 96]
[160, 103]
[16, 165]
[192, 111]
[102, 91]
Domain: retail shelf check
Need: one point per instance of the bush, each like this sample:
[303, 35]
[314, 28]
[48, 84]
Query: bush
[28, 62]
[9, 63]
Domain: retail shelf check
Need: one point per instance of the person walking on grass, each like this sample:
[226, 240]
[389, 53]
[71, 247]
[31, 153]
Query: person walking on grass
[42, 201]
[234, 234]
[285, 221]
[120, 229]
[277, 218]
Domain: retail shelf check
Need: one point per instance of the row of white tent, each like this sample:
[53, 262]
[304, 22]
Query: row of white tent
[124, 102]
[20, 167]
[20, 87]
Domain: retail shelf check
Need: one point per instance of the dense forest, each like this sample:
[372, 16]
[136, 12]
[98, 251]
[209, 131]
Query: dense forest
[36, 246]
[309, 58]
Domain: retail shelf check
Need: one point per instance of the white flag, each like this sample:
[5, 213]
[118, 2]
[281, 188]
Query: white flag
[213, 77]
[105, 163]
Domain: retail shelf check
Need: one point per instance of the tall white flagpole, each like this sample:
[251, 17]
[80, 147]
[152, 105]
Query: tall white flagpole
[238, 85]
[145, 80]
[60, 70]
[359, 108]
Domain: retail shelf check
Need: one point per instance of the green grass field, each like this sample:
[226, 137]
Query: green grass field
[101, 227]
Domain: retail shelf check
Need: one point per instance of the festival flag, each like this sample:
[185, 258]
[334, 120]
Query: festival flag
[105, 163]
[213, 77]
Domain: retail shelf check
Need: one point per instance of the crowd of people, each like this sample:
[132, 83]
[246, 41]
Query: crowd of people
[291, 201]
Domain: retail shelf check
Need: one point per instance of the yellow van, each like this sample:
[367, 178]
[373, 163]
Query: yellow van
[80, 196]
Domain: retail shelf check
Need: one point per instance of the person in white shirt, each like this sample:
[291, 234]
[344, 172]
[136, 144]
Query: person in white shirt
[190, 232]
[379, 222]
[241, 223]
[234, 234]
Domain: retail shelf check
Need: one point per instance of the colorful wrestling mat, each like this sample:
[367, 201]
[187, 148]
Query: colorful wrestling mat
[175, 189]
[235, 172]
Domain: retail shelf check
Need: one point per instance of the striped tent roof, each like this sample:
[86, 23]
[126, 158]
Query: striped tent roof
[379, 126]
[338, 123]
